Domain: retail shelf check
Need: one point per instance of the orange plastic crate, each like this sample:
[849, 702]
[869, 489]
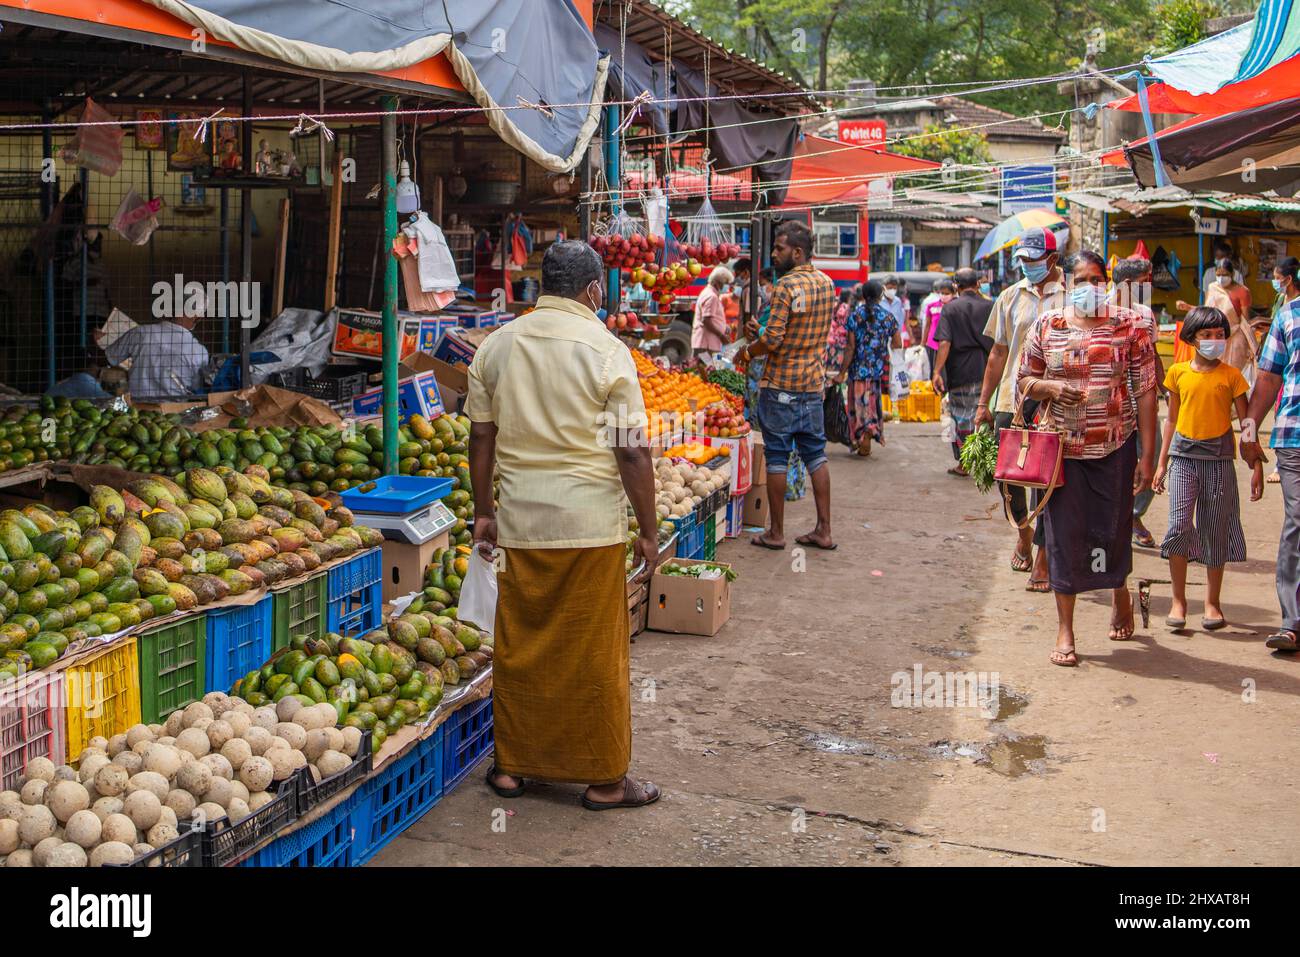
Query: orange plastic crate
[103, 694]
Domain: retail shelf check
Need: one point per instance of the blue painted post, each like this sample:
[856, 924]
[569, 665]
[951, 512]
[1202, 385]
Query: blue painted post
[613, 174]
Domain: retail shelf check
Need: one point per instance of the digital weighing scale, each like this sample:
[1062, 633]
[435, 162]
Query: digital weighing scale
[403, 507]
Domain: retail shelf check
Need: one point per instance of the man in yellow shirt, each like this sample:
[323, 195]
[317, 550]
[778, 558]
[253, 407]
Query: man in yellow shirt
[555, 404]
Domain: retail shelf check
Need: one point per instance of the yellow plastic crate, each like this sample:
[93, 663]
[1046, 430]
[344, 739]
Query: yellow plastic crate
[103, 694]
[920, 408]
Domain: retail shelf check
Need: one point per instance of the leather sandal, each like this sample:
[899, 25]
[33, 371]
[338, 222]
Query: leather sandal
[513, 792]
[635, 794]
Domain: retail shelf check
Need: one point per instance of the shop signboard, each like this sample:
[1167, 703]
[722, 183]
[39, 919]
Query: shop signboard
[1027, 187]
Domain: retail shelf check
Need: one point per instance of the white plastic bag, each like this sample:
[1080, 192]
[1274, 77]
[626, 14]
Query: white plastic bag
[918, 364]
[478, 594]
[899, 381]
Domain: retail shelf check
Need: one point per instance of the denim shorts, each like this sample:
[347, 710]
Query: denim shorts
[792, 421]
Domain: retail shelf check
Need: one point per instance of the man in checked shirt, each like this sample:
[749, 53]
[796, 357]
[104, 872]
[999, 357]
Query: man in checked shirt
[790, 391]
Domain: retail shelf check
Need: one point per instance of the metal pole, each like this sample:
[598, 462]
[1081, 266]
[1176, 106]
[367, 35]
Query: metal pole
[613, 175]
[85, 252]
[225, 261]
[246, 233]
[1200, 269]
[388, 137]
[1105, 236]
[49, 196]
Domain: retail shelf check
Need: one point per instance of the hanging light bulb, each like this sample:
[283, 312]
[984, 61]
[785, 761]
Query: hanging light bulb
[408, 194]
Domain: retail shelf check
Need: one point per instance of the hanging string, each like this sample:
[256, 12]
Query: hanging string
[306, 126]
[201, 132]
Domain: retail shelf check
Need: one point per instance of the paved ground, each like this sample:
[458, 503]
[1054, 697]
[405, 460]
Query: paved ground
[776, 742]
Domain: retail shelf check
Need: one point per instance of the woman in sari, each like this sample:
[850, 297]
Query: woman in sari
[872, 331]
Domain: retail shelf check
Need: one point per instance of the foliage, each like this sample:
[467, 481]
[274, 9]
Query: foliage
[1182, 22]
[941, 144]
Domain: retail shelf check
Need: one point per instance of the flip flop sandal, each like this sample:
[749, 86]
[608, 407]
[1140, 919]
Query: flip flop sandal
[805, 540]
[1214, 624]
[957, 472]
[1283, 640]
[1115, 633]
[1148, 541]
[1273, 478]
[635, 794]
[1021, 563]
[1047, 586]
[513, 792]
[1062, 658]
[768, 545]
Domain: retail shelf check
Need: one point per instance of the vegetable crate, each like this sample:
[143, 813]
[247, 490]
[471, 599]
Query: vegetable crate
[399, 794]
[239, 640]
[690, 537]
[102, 694]
[637, 607]
[299, 610]
[32, 724]
[919, 407]
[312, 794]
[326, 842]
[735, 515]
[355, 594]
[225, 843]
[172, 667]
[185, 851]
[709, 547]
[468, 737]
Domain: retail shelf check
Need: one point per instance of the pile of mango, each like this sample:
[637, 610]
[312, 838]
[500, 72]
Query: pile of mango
[443, 576]
[157, 547]
[380, 681]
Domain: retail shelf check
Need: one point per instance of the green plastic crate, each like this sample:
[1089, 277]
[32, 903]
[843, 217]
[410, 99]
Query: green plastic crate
[300, 610]
[710, 538]
[172, 667]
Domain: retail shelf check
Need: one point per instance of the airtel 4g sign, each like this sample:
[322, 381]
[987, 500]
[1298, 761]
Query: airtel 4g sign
[862, 132]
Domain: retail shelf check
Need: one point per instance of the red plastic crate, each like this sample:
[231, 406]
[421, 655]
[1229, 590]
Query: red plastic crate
[33, 724]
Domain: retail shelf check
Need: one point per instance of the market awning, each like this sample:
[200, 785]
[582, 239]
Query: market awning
[1253, 150]
[543, 96]
[827, 171]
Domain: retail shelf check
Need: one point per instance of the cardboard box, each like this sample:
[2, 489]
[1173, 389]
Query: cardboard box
[459, 345]
[359, 332]
[688, 606]
[742, 463]
[432, 330]
[404, 565]
[417, 391]
[453, 383]
[755, 512]
[758, 459]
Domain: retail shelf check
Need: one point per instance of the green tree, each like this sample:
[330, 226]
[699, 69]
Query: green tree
[939, 144]
[1182, 22]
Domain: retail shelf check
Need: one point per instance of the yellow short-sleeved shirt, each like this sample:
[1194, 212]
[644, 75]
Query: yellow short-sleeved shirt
[1205, 398]
[556, 383]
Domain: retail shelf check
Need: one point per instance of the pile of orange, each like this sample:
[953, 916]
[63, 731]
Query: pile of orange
[695, 453]
[673, 392]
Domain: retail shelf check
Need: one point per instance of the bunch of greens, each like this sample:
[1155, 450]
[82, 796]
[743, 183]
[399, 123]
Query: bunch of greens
[729, 380]
[697, 570]
[979, 457]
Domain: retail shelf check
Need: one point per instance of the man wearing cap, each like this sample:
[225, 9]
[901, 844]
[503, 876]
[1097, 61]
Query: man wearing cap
[1014, 313]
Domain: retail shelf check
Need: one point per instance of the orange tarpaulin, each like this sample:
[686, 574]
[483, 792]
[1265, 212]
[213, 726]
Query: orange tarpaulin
[1281, 82]
[827, 171]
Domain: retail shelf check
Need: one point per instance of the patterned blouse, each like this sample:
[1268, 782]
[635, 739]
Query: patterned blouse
[871, 338]
[1113, 365]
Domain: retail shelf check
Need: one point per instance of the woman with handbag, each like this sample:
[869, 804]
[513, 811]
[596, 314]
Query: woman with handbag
[1092, 366]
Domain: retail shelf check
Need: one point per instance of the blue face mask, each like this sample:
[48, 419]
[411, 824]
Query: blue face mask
[1277, 285]
[1035, 272]
[986, 289]
[1085, 298]
[1212, 348]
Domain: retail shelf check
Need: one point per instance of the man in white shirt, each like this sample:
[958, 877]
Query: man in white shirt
[167, 361]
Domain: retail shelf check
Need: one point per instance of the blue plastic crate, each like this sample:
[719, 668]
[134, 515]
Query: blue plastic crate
[326, 842]
[396, 494]
[690, 537]
[356, 594]
[467, 738]
[239, 640]
[735, 515]
[399, 794]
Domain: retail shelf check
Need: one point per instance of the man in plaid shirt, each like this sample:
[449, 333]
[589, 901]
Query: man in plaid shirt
[790, 391]
[1279, 370]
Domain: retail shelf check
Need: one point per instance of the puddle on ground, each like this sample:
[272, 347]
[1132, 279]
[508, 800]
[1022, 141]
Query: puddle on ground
[939, 652]
[1009, 704]
[1015, 755]
[836, 744]
[951, 749]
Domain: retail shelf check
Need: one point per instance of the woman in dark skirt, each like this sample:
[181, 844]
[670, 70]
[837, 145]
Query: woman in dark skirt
[1092, 366]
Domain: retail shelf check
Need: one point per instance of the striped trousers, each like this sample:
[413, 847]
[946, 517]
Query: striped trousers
[1204, 512]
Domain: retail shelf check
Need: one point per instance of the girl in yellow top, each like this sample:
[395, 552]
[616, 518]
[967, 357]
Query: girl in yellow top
[1196, 464]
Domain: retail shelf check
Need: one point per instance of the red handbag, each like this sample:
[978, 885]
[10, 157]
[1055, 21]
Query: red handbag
[1030, 458]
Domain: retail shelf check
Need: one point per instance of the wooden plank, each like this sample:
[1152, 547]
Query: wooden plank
[335, 224]
[281, 249]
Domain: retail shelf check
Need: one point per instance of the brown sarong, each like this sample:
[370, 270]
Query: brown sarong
[562, 706]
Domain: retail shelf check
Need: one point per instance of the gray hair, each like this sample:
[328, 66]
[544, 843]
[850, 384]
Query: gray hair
[721, 276]
[569, 267]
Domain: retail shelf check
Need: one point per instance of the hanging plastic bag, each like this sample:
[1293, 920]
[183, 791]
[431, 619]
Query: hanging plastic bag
[478, 593]
[97, 148]
[900, 384]
[136, 218]
[918, 364]
[707, 241]
[835, 417]
[947, 424]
